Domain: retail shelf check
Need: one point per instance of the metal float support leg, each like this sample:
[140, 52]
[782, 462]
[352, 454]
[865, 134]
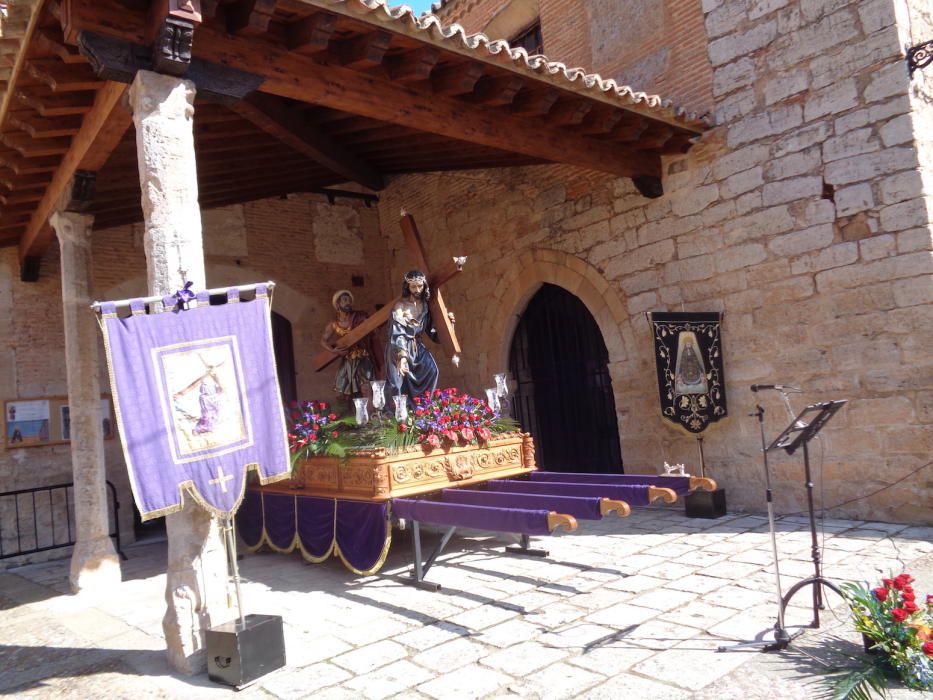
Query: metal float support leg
[523, 548]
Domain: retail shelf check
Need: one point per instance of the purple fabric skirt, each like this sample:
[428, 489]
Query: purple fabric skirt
[488, 518]
[580, 508]
[678, 484]
[358, 530]
[634, 495]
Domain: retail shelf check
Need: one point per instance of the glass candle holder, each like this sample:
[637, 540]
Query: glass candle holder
[401, 407]
[492, 398]
[502, 384]
[379, 397]
[362, 410]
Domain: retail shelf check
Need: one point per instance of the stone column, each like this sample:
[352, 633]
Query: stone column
[163, 108]
[94, 562]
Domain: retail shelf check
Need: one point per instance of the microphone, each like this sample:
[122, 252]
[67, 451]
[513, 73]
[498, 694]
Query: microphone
[778, 387]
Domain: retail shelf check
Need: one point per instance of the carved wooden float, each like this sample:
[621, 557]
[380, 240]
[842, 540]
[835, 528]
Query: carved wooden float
[375, 475]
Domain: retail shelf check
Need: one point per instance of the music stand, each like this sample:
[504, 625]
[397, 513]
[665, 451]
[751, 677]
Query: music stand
[801, 430]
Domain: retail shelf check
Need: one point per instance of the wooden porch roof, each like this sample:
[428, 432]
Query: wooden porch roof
[342, 91]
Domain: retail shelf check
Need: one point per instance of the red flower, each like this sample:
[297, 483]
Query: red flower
[929, 598]
[928, 648]
[313, 436]
[888, 582]
[402, 428]
[334, 434]
[417, 399]
[332, 416]
[323, 406]
[908, 594]
[899, 614]
[911, 607]
[419, 411]
[881, 594]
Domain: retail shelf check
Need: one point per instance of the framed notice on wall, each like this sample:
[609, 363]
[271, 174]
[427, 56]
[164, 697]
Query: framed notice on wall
[38, 422]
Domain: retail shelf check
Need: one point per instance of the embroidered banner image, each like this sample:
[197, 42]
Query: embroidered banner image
[197, 401]
[688, 355]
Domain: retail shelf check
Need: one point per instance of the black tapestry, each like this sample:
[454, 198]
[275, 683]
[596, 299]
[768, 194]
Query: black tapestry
[688, 354]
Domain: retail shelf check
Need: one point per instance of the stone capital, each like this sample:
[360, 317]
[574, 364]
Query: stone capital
[72, 227]
[155, 94]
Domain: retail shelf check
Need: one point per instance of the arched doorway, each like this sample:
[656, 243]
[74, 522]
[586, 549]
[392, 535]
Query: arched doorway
[564, 393]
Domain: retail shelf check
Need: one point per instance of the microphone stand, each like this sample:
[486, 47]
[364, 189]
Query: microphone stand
[781, 636]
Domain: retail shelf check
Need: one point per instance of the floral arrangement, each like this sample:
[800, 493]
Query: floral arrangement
[898, 633]
[448, 418]
[314, 429]
[440, 419]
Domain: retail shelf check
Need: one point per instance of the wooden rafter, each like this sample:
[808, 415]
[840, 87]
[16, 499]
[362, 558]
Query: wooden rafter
[102, 129]
[282, 121]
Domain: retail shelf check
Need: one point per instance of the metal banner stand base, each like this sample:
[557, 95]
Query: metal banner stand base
[245, 649]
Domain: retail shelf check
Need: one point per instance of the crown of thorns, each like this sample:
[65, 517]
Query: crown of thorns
[415, 278]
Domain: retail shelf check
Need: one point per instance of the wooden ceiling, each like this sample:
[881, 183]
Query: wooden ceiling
[341, 98]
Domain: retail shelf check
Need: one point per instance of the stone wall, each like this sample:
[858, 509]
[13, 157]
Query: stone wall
[657, 46]
[309, 247]
[802, 216]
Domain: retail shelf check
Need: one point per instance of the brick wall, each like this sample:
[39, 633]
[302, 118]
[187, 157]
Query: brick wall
[655, 46]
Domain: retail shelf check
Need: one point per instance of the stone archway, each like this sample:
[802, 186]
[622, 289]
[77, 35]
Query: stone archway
[522, 281]
[525, 277]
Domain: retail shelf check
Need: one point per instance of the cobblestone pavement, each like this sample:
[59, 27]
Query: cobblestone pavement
[632, 607]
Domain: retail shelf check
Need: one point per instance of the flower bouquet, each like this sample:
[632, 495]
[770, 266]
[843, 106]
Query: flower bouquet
[898, 634]
[446, 418]
[313, 430]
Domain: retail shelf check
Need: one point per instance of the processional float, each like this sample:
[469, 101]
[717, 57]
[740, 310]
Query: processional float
[345, 506]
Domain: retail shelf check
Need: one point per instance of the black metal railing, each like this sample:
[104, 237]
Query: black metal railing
[52, 513]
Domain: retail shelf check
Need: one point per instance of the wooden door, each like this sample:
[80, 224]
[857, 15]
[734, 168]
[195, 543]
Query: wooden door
[564, 393]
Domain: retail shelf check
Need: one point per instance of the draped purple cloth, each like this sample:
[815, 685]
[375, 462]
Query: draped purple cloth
[678, 484]
[359, 528]
[487, 518]
[361, 531]
[197, 401]
[581, 508]
[279, 519]
[315, 518]
[249, 519]
[634, 495]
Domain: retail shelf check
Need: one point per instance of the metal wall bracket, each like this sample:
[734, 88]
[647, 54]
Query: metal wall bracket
[919, 56]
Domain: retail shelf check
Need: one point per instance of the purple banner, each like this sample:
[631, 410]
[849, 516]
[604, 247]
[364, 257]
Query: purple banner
[197, 401]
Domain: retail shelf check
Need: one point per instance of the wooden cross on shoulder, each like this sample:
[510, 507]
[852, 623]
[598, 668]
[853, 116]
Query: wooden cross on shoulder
[447, 335]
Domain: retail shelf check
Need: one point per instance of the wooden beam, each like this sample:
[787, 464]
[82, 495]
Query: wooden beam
[40, 128]
[49, 105]
[63, 77]
[362, 52]
[569, 112]
[497, 91]
[439, 315]
[530, 103]
[336, 87]
[250, 16]
[29, 147]
[414, 66]
[457, 79]
[281, 120]
[102, 129]
[55, 46]
[310, 35]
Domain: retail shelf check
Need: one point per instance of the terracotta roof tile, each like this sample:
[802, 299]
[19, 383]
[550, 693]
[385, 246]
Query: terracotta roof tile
[429, 28]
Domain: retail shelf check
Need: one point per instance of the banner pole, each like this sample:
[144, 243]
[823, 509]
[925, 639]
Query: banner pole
[231, 552]
[220, 290]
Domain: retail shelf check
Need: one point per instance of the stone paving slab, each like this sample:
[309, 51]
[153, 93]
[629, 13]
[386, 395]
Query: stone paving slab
[633, 607]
